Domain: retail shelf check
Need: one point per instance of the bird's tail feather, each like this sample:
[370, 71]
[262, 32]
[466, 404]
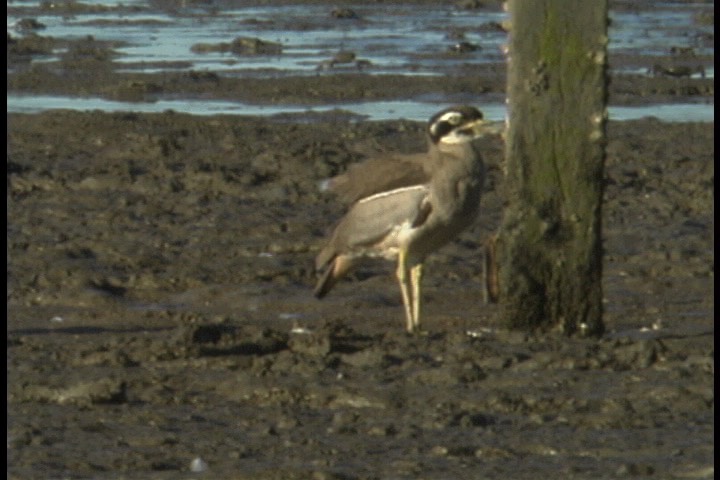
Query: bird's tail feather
[325, 283]
[334, 271]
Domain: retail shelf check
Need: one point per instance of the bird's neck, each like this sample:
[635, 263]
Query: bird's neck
[464, 152]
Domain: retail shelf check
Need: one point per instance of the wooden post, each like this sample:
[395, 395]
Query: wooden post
[549, 245]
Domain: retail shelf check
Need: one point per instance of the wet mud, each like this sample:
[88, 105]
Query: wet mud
[161, 322]
[160, 309]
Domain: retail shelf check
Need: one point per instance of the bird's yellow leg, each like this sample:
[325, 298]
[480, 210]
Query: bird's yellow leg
[415, 279]
[403, 280]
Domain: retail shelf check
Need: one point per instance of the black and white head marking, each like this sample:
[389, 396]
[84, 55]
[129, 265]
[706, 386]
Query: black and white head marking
[447, 125]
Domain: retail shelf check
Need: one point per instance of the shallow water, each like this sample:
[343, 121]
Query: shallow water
[383, 110]
[401, 39]
[398, 39]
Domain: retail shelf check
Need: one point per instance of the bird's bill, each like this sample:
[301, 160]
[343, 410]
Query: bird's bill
[482, 128]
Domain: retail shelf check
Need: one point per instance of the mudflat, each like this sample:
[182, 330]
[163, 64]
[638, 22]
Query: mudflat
[161, 322]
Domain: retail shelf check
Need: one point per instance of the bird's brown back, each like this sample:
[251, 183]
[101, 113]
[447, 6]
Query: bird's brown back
[380, 174]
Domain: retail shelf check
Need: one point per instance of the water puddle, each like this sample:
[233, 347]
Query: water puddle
[397, 39]
[381, 110]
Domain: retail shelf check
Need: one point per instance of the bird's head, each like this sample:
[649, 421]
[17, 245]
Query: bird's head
[457, 124]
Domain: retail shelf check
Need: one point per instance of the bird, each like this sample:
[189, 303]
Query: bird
[404, 207]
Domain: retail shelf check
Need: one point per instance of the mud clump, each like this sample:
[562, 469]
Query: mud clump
[241, 46]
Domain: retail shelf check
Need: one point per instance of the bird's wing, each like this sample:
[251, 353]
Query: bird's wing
[374, 218]
[380, 174]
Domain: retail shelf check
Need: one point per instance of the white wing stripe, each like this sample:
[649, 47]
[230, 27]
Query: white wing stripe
[393, 192]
